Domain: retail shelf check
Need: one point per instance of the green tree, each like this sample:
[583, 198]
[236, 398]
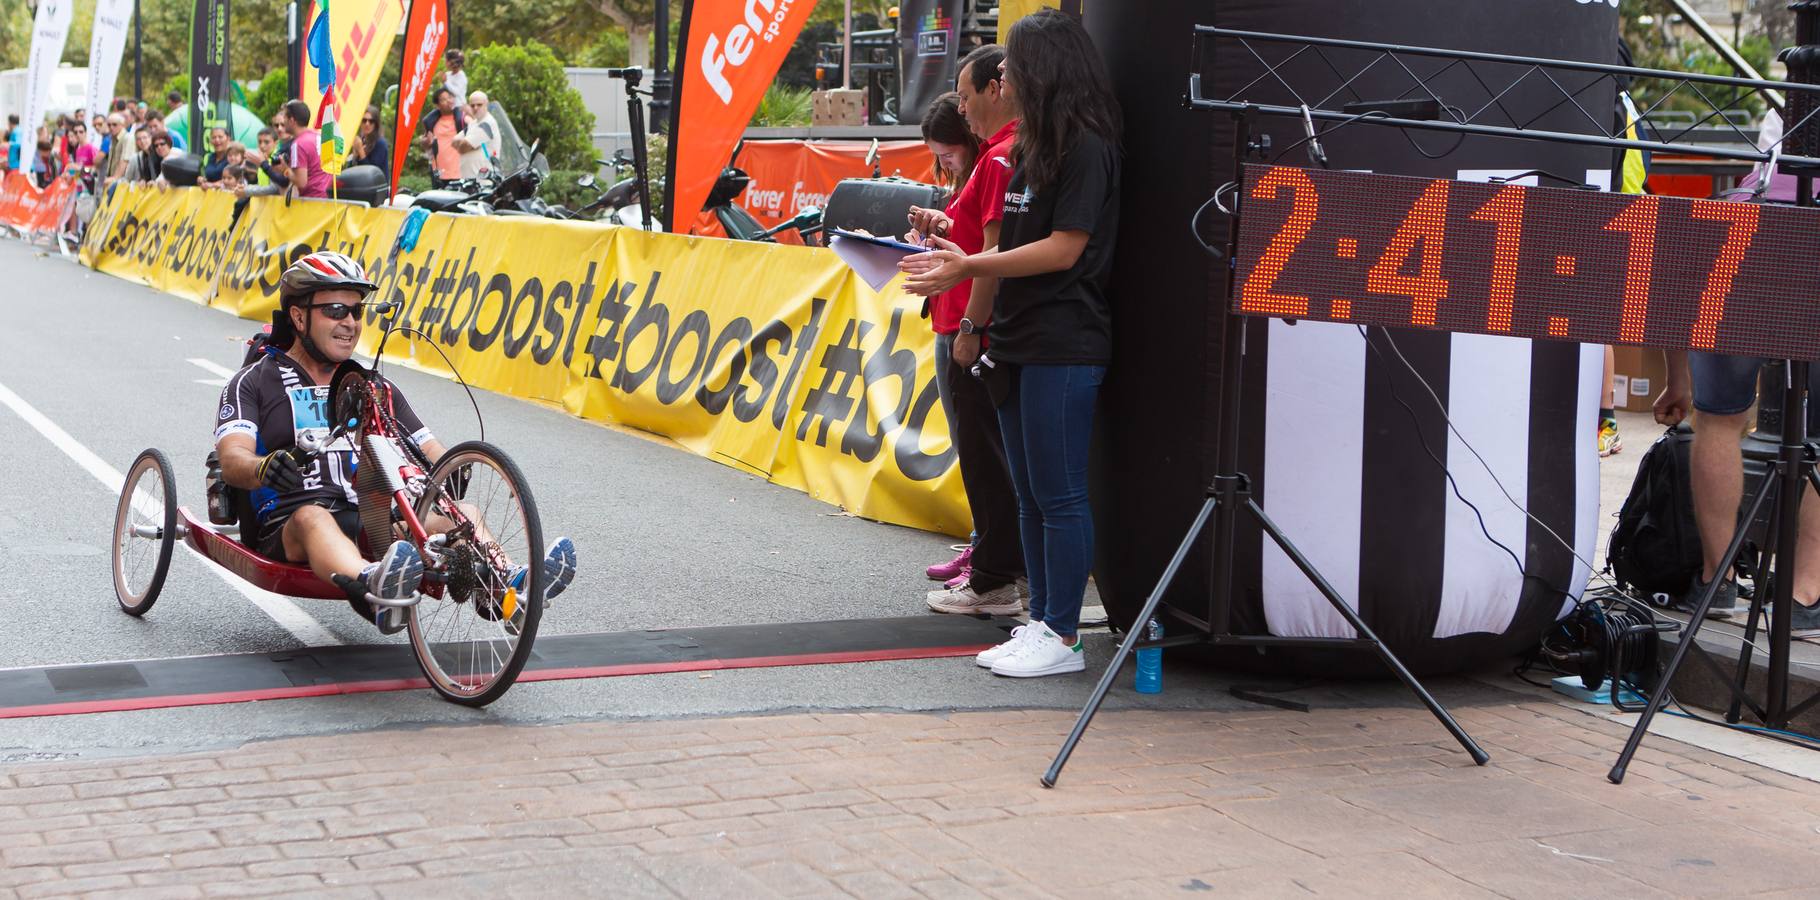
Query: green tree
[15, 34]
[1658, 39]
[784, 106]
[527, 79]
[271, 94]
[179, 82]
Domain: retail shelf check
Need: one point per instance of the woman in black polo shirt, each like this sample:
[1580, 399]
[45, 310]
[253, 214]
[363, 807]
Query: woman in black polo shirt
[1051, 332]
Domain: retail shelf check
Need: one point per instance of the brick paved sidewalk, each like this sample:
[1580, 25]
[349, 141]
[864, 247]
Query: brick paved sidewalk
[1358, 802]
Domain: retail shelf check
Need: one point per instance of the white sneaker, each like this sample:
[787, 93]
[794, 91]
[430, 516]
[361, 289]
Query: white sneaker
[990, 655]
[1041, 653]
[1004, 600]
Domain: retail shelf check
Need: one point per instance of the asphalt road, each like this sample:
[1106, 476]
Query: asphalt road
[666, 539]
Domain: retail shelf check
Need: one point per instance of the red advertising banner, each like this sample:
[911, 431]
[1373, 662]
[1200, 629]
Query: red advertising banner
[424, 39]
[27, 208]
[790, 175]
[730, 53]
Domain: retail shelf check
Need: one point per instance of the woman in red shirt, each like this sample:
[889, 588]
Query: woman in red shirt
[992, 565]
[956, 150]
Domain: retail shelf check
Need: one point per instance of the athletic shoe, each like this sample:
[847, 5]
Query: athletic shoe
[1041, 653]
[397, 574]
[1004, 600]
[965, 576]
[1806, 622]
[1609, 442]
[390, 619]
[953, 567]
[558, 570]
[1724, 602]
[985, 658]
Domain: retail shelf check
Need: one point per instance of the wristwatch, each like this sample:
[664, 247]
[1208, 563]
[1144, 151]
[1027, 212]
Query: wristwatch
[967, 326]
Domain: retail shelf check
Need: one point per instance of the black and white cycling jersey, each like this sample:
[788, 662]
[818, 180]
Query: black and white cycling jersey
[274, 401]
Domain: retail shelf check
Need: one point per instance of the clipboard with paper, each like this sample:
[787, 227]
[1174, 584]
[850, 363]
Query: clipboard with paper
[873, 258]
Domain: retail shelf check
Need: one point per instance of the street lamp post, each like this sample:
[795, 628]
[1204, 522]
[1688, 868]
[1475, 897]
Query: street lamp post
[1737, 7]
[660, 75]
[138, 57]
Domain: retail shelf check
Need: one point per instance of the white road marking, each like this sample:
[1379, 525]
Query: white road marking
[288, 616]
[221, 373]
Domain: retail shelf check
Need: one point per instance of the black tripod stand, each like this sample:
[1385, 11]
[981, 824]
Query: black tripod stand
[1794, 470]
[635, 123]
[1228, 497]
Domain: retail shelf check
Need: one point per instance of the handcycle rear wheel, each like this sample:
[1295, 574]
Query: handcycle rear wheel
[145, 530]
[474, 640]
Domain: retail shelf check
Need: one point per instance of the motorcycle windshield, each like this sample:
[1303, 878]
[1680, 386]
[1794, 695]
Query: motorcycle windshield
[512, 149]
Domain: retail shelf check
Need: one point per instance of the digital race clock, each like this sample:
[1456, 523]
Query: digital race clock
[1534, 262]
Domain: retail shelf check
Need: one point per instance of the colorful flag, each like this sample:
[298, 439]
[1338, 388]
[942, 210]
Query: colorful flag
[930, 49]
[107, 42]
[346, 50]
[731, 50]
[50, 28]
[211, 98]
[424, 39]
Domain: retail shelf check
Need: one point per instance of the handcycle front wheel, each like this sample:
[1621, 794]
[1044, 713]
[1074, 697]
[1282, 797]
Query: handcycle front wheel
[474, 640]
[145, 530]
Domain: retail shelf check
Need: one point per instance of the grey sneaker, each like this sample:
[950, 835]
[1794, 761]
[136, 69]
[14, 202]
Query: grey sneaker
[397, 574]
[1725, 602]
[1004, 600]
[1806, 622]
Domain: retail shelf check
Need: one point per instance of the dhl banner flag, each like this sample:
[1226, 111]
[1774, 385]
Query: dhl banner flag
[346, 46]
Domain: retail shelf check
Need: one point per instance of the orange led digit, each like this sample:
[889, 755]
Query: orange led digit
[1505, 211]
[1639, 221]
[1255, 296]
[1741, 226]
[1423, 232]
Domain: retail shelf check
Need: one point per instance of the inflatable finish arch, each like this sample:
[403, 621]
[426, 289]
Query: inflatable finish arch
[1335, 458]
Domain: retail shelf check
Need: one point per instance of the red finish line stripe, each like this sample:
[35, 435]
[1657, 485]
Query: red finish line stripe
[127, 704]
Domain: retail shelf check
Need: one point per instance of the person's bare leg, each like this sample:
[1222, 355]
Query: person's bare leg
[1807, 564]
[1609, 399]
[1718, 483]
[312, 534]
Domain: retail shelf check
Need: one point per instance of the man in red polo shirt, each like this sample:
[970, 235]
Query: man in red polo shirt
[995, 584]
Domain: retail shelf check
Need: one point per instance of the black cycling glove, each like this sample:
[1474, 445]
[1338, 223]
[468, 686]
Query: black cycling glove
[280, 472]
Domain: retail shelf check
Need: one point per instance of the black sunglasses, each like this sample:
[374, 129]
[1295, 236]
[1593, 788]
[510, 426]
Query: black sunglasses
[339, 311]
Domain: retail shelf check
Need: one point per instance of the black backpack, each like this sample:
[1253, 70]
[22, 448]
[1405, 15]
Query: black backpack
[1655, 547]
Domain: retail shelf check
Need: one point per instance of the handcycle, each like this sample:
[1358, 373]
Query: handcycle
[472, 624]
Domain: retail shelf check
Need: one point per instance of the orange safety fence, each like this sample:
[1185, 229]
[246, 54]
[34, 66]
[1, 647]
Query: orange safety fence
[29, 209]
[789, 175]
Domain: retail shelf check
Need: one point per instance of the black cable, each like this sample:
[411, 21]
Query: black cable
[407, 330]
[1194, 221]
[1459, 137]
[1370, 113]
[1423, 439]
[1794, 738]
[1454, 484]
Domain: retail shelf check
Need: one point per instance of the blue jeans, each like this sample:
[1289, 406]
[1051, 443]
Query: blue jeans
[1047, 422]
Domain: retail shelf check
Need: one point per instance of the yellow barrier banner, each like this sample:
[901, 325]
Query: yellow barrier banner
[776, 360]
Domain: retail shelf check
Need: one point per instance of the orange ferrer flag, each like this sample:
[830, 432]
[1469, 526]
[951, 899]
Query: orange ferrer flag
[424, 39]
[731, 50]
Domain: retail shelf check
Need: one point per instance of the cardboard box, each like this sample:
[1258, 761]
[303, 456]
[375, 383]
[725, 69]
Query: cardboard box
[1641, 373]
[840, 107]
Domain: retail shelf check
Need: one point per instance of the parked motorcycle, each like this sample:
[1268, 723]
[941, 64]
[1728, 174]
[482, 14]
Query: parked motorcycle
[515, 194]
[620, 204]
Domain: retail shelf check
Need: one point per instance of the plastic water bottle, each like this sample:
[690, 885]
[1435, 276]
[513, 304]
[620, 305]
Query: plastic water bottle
[1150, 662]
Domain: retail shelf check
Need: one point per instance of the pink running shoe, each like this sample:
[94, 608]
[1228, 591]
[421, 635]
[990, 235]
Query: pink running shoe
[953, 567]
[965, 576]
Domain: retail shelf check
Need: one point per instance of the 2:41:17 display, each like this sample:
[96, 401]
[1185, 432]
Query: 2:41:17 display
[1535, 262]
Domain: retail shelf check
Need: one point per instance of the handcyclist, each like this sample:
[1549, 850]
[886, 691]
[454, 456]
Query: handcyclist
[309, 513]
